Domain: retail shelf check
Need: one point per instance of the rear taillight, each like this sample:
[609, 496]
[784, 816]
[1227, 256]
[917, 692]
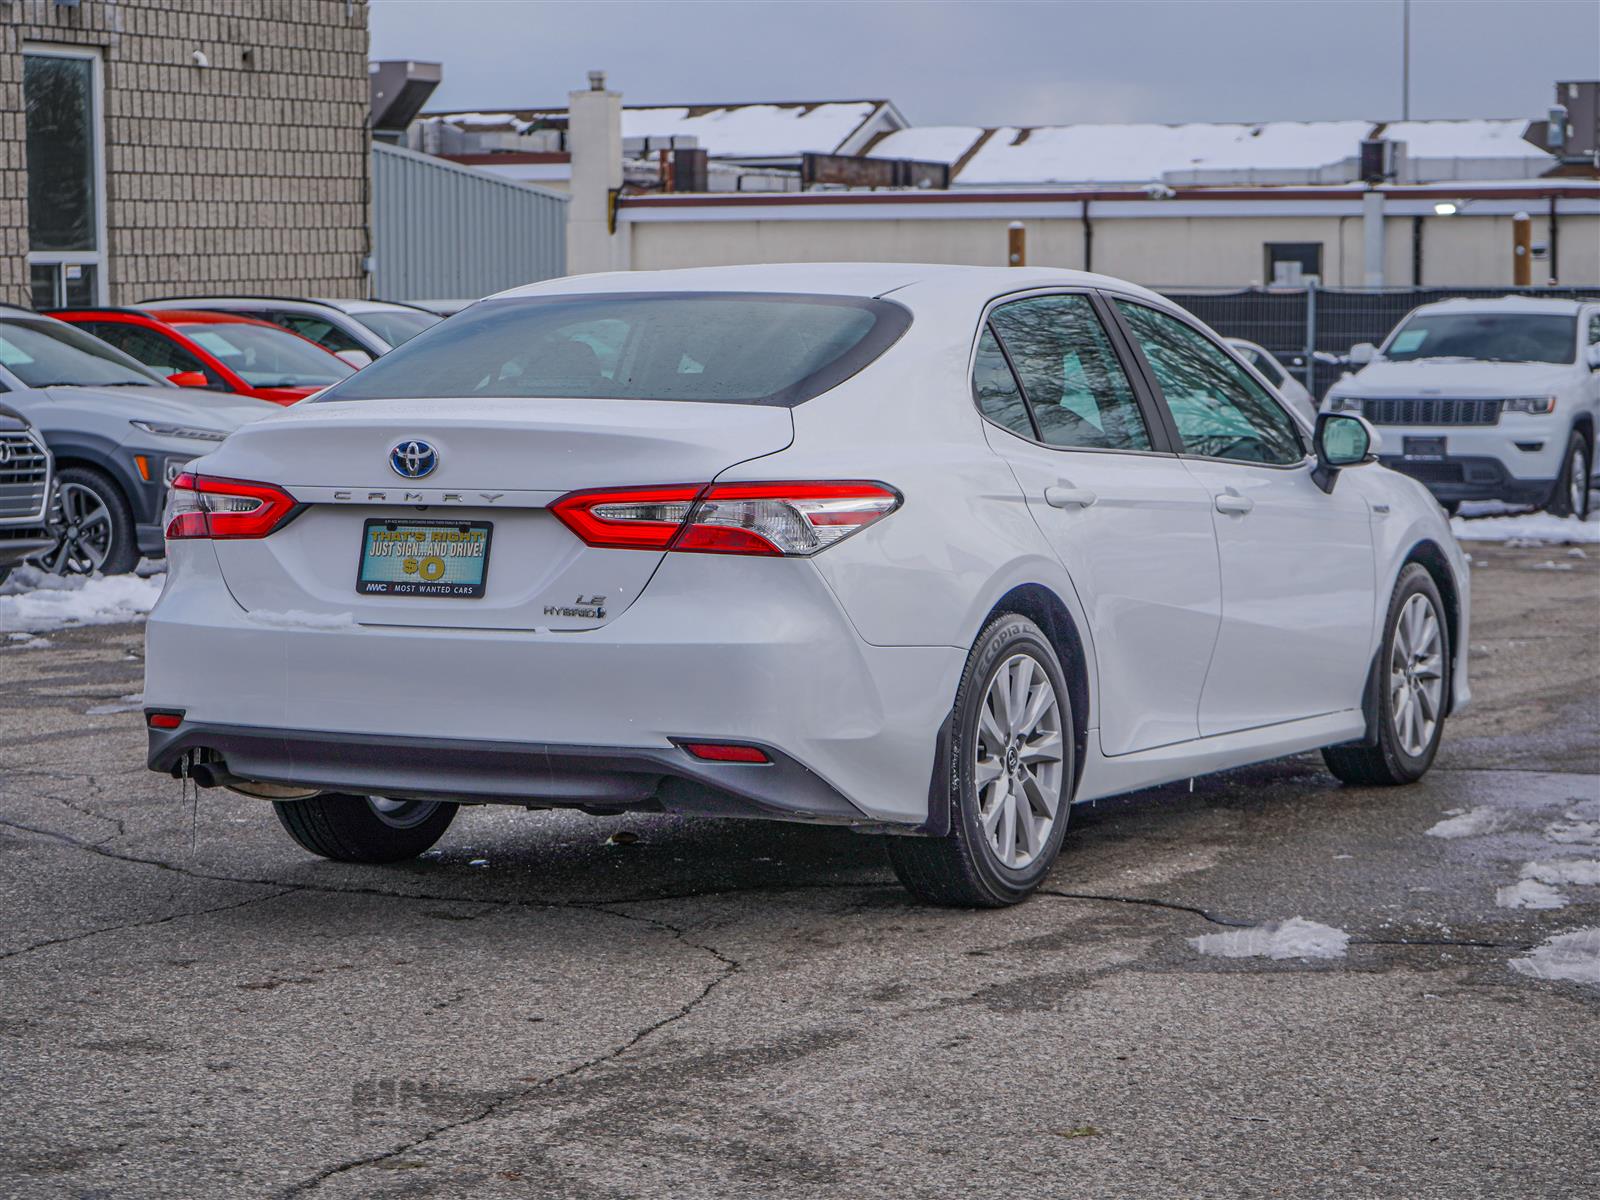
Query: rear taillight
[199, 506]
[782, 519]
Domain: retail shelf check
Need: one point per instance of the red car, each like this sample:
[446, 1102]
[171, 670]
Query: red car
[221, 351]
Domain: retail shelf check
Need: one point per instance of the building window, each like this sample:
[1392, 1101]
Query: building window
[1290, 264]
[66, 205]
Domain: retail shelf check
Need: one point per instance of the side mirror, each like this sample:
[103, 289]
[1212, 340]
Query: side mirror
[1362, 353]
[195, 379]
[1592, 357]
[356, 358]
[1341, 440]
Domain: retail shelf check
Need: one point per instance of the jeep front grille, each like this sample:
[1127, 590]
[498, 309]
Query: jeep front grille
[1432, 411]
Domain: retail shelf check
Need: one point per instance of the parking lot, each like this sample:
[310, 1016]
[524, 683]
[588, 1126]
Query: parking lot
[555, 1005]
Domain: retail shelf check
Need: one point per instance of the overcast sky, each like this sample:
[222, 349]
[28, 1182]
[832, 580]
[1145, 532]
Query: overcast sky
[992, 62]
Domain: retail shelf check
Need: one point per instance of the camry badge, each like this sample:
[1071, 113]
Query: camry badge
[413, 460]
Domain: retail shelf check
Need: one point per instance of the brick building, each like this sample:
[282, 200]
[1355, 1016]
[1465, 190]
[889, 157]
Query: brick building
[153, 147]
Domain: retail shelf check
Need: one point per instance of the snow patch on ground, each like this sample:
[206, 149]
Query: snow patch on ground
[1574, 833]
[1574, 956]
[1530, 893]
[35, 601]
[1580, 871]
[1472, 823]
[1294, 938]
[126, 704]
[1525, 527]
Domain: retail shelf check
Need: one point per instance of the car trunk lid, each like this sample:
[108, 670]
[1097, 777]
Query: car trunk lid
[496, 465]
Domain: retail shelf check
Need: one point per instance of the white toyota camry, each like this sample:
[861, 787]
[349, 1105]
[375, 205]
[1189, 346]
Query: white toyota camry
[930, 551]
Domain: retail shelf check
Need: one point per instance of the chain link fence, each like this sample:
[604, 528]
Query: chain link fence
[1310, 330]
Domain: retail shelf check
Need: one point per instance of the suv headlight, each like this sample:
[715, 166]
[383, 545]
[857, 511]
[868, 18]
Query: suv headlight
[179, 431]
[1344, 404]
[1530, 404]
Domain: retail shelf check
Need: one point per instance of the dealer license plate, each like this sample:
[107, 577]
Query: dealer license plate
[424, 558]
[1423, 449]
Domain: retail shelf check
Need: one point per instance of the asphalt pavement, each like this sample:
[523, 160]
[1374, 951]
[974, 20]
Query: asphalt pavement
[557, 1005]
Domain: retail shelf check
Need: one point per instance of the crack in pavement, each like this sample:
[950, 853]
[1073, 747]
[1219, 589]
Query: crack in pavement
[144, 924]
[729, 968]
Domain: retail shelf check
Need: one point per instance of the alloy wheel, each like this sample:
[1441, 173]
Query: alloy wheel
[401, 814]
[1017, 761]
[1416, 675]
[82, 525]
[1577, 482]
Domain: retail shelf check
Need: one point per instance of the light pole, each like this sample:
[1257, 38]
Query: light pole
[1405, 60]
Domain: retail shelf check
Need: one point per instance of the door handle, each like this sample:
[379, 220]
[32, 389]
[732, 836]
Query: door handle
[1067, 497]
[1233, 503]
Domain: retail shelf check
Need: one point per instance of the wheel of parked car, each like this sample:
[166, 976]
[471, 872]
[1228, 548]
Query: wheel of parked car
[1010, 778]
[1571, 495]
[1414, 682]
[93, 526]
[365, 829]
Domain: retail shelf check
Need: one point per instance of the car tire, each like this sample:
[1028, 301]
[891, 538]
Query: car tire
[1570, 497]
[1010, 780]
[1413, 690]
[365, 829]
[89, 502]
[1451, 507]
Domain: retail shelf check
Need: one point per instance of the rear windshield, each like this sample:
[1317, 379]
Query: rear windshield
[1486, 337]
[724, 348]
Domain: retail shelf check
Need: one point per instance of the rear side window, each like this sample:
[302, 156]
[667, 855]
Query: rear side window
[723, 348]
[995, 388]
[1076, 388]
[316, 329]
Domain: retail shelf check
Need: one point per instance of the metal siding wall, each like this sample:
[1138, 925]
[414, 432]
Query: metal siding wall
[445, 232]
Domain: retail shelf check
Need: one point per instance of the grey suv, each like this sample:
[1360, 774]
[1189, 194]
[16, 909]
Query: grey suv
[118, 434]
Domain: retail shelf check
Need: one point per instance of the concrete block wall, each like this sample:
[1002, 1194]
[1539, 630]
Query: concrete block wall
[250, 174]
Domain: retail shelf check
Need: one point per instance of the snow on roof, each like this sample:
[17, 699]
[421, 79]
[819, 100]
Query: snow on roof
[1144, 153]
[754, 130]
[1149, 153]
[783, 130]
[1463, 139]
[927, 143]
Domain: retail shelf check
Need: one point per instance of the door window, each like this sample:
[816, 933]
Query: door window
[1219, 410]
[1074, 386]
[995, 388]
[317, 329]
[1594, 329]
[151, 348]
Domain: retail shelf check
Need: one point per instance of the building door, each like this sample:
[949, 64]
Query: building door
[66, 192]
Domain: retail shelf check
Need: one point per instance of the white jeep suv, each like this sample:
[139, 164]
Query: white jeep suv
[1487, 399]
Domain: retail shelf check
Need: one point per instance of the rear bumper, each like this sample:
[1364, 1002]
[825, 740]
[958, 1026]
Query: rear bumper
[718, 649]
[667, 778]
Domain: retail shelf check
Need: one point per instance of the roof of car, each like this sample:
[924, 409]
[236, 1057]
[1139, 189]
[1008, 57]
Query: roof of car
[344, 306]
[836, 279]
[1524, 304]
[168, 316]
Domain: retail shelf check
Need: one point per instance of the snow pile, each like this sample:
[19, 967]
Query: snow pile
[1529, 893]
[1526, 526]
[34, 601]
[1294, 938]
[1580, 871]
[1473, 138]
[1472, 823]
[1574, 956]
